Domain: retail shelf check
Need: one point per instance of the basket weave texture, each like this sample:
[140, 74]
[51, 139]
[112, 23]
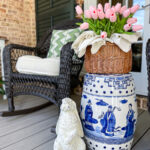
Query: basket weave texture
[110, 59]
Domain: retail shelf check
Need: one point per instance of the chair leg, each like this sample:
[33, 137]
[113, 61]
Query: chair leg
[11, 106]
[12, 112]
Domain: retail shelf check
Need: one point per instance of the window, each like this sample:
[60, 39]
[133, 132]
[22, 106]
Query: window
[137, 47]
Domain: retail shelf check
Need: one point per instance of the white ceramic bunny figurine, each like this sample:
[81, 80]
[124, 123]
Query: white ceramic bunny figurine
[69, 129]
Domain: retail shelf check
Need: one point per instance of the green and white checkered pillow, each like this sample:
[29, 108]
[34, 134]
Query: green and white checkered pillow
[60, 38]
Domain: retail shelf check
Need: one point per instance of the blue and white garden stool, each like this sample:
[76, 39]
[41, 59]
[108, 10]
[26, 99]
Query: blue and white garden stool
[109, 111]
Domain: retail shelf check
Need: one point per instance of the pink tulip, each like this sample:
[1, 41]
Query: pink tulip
[122, 9]
[107, 6]
[101, 14]
[87, 14]
[132, 20]
[108, 13]
[103, 35]
[118, 7]
[79, 10]
[100, 6]
[127, 27]
[126, 13]
[84, 26]
[135, 8]
[92, 8]
[93, 11]
[113, 9]
[113, 17]
[137, 27]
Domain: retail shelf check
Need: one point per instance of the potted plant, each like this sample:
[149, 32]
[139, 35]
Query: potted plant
[108, 104]
[107, 43]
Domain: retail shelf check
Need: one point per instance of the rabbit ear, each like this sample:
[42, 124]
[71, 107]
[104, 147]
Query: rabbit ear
[80, 129]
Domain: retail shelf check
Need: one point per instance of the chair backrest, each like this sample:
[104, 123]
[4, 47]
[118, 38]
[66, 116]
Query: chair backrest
[44, 43]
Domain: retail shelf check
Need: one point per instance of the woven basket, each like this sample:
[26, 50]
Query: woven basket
[110, 59]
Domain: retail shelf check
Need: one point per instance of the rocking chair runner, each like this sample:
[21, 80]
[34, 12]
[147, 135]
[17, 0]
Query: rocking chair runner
[52, 88]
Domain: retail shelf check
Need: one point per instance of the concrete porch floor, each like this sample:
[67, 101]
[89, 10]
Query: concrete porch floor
[32, 131]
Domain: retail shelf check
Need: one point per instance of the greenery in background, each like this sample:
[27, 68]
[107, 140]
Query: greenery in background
[2, 92]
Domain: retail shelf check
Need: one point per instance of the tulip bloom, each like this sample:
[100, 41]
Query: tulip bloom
[122, 9]
[137, 27]
[106, 7]
[101, 14]
[87, 14]
[92, 8]
[126, 13]
[79, 10]
[93, 11]
[132, 20]
[113, 17]
[117, 7]
[108, 13]
[103, 35]
[100, 6]
[84, 26]
[113, 9]
[134, 8]
[127, 27]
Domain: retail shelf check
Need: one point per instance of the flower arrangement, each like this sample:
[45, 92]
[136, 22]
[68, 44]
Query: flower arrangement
[108, 20]
[108, 42]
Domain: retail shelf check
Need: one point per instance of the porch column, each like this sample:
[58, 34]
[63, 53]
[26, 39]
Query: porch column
[88, 3]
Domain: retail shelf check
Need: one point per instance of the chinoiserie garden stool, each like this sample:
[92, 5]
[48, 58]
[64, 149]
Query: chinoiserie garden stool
[109, 111]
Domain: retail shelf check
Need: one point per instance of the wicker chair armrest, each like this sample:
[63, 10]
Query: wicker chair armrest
[11, 53]
[20, 47]
[65, 72]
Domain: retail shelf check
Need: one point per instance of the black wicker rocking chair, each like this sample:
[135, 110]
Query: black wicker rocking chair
[52, 88]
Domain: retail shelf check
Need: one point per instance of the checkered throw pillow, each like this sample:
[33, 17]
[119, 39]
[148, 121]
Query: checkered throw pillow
[60, 38]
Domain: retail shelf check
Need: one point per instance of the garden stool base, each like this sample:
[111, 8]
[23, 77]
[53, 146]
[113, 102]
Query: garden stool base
[109, 111]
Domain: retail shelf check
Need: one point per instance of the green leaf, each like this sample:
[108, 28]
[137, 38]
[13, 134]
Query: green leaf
[78, 24]
[102, 23]
[105, 25]
[129, 33]
[98, 32]
[1, 87]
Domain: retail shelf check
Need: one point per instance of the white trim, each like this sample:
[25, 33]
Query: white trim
[140, 78]
[110, 1]
[2, 45]
[126, 2]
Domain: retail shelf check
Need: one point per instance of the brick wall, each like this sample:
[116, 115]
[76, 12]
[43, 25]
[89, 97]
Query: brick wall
[17, 21]
[80, 2]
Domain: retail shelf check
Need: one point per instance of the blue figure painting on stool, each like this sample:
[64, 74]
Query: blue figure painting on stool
[108, 121]
[129, 129]
[89, 120]
[109, 111]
